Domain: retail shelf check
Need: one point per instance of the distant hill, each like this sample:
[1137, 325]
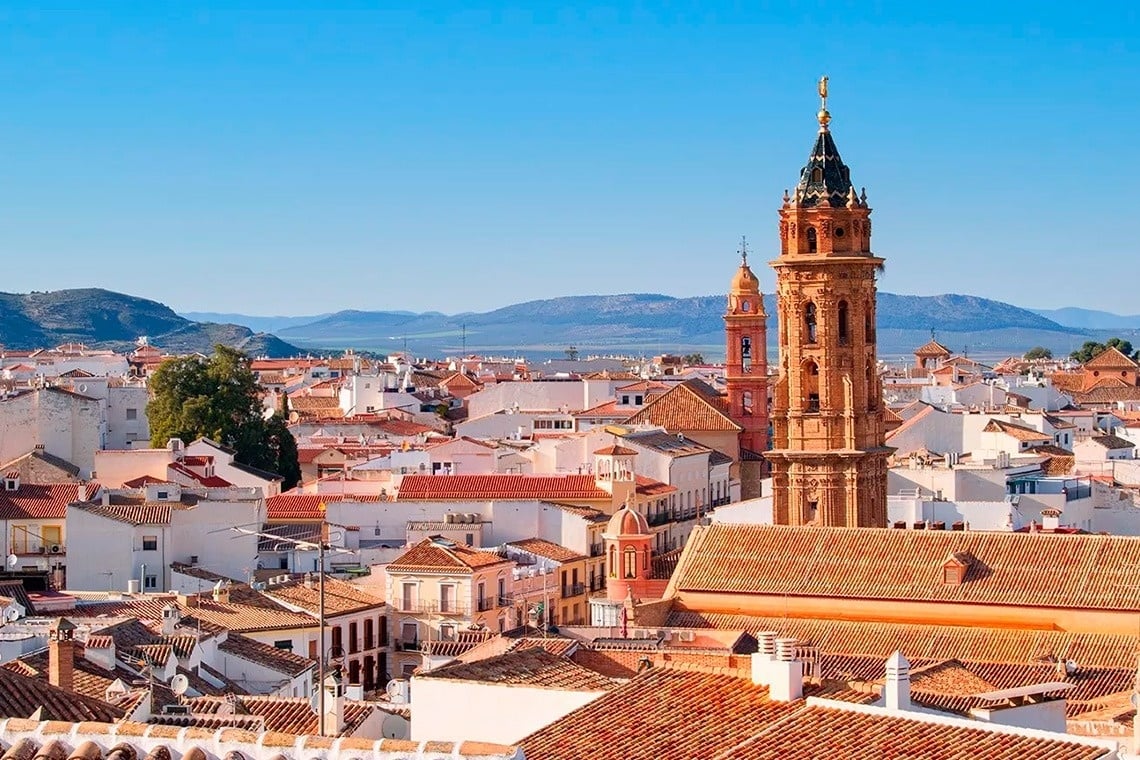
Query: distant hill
[105, 319]
[650, 323]
[257, 324]
[1090, 319]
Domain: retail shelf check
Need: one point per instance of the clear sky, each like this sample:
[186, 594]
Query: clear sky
[474, 155]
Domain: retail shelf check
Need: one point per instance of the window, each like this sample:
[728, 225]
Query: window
[286, 644]
[353, 641]
[469, 538]
[812, 511]
[150, 543]
[843, 323]
[446, 598]
[639, 400]
[132, 414]
[817, 174]
[369, 634]
[810, 383]
[447, 633]
[383, 625]
[337, 639]
[872, 390]
[163, 495]
[630, 570]
[408, 669]
[746, 403]
[811, 240]
[810, 326]
[868, 324]
[150, 581]
[283, 563]
[408, 601]
[613, 561]
[625, 400]
[746, 353]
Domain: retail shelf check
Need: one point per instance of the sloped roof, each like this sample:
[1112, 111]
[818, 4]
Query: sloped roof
[501, 487]
[533, 666]
[1112, 442]
[432, 555]
[932, 348]
[547, 549]
[1110, 358]
[307, 506]
[1020, 432]
[1036, 570]
[21, 696]
[691, 405]
[39, 502]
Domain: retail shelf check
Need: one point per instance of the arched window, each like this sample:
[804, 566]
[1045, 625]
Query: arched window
[746, 354]
[613, 562]
[746, 403]
[809, 323]
[811, 240]
[630, 569]
[811, 386]
[843, 323]
[817, 174]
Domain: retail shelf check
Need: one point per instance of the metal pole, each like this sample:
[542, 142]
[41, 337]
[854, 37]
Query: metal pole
[321, 634]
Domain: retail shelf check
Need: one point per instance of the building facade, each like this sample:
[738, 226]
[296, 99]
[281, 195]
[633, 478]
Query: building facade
[829, 460]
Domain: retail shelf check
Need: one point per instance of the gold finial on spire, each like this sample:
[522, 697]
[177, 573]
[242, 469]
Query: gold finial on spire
[823, 115]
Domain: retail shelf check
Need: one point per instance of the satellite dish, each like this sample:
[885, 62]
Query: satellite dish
[1070, 667]
[179, 684]
[12, 560]
[394, 727]
[11, 614]
[315, 703]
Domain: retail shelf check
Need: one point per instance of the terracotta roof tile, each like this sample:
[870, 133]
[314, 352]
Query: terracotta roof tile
[433, 555]
[691, 405]
[501, 487]
[533, 666]
[40, 501]
[341, 597]
[21, 696]
[307, 506]
[1084, 572]
[1110, 358]
[1020, 432]
[932, 348]
[547, 549]
[280, 660]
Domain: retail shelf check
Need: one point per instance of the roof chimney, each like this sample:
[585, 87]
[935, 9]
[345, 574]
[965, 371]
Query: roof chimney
[333, 720]
[61, 654]
[896, 689]
[82, 496]
[764, 656]
[787, 673]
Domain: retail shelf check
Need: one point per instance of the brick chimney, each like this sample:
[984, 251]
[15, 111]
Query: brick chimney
[61, 654]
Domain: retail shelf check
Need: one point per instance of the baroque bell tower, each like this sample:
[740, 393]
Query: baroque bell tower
[746, 356]
[829, 458]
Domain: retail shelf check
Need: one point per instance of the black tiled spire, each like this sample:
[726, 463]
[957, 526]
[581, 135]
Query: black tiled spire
[825, 179]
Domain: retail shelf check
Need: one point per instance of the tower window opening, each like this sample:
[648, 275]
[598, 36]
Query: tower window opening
[872, 391]
[843, 339]
[812, 243]
[817, 174]
[810, 327]
[746, 354]
[811, 386]
[613, 562]
[630, 570]
[869, 324]
[746, 403]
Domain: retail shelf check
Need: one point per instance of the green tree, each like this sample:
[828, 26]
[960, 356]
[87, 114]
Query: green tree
[1038, 352]
[693, 359]
[1091, 348]
[219, 398]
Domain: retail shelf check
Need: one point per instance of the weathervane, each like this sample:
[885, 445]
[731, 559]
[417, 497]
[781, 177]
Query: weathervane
[824, 116]
[743, 250]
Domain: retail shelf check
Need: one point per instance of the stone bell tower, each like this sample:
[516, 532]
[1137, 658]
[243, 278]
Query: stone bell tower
[829, 459]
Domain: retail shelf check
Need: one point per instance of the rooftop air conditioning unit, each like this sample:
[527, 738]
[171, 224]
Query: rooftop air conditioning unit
[176, 710]
[56, 549]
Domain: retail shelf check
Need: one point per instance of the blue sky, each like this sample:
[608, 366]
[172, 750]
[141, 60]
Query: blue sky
[468, 156]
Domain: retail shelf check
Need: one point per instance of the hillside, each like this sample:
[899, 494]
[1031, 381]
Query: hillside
[105, 319]
[649, 323]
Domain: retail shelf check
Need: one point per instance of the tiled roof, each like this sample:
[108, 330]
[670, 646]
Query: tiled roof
[140, 513]
[1110, 358]
[286, 715]
[665, 714]
[40, 502]
[1084, 572]
[164, 742]
[280, 660]
[652, 488]
[433, 555]
[501, 487]
[932, 642]
[932, 348]
[605, 410]
[615, 450]
[547, 549]
[691, 405]
[402, 428]
[1112, 442]
[827, 731]
[21, 696]
[533, 666]
[1107, 395]
[672, 444]
[307, 506]
[1020, 432]
[341, 597]
[247, 611]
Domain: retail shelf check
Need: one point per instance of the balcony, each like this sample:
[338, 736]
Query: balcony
[659, 518]
[435, 607]
[598, 549]
[407, 645]
[486, 603]
[573, 589]
[35, 545]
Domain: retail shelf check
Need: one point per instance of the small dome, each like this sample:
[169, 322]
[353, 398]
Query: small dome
[745, 282]
[627, 522]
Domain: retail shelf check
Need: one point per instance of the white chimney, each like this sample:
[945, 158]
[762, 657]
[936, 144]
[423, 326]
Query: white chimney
[787, 673]
[896, 689]
[1050, 520]
[83, 495]
[171, 617]
[764, 656]
[333, 719]
[100, 650]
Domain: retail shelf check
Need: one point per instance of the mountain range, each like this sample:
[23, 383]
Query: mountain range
[105, 319]
[635, 323]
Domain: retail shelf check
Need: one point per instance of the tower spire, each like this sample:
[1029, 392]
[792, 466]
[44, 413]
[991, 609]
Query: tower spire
[743, 250]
